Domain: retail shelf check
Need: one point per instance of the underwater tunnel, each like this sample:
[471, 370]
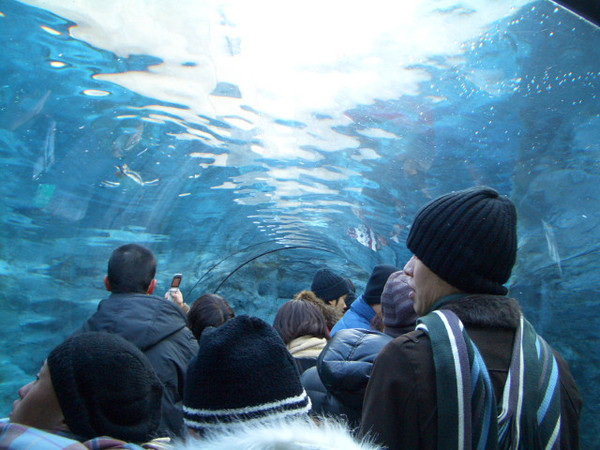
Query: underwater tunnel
[247, 144]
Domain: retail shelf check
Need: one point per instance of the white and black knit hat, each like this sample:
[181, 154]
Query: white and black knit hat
[242, 373]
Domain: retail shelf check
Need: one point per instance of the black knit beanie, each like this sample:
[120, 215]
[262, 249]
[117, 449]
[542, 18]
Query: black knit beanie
[243, 373]
[106, 387]
[376, 283]
[468, 238]
[329, 286]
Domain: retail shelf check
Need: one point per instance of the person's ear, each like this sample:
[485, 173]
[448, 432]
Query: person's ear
[107, 283]
[151, 287]
[63, 426]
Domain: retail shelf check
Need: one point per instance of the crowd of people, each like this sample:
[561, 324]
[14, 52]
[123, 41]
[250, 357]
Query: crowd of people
[432, 355]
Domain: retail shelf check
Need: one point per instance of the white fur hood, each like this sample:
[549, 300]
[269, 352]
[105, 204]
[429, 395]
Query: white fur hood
[298, 434]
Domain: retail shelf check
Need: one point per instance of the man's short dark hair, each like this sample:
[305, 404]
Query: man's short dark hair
[131, 269]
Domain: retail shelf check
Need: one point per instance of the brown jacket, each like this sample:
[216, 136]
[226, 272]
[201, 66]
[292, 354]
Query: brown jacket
[400, 402]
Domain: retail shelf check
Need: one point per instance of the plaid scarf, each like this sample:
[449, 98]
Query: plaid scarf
[14, 436]
[529, 413]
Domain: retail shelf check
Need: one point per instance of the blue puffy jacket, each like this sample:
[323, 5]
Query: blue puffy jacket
[336, 385]
[359, 315]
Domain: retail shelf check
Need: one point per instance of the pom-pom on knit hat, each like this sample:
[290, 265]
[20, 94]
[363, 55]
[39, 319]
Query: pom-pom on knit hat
[376, 283]
[399, 316]
[467, 238]
[328, 285]
[242, 374]
[106, 387]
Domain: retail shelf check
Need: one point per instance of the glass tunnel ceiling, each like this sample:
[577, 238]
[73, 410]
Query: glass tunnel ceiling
[279, 137]
[299, 108]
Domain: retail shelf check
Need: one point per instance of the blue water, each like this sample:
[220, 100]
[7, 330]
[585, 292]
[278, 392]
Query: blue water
[298, 160]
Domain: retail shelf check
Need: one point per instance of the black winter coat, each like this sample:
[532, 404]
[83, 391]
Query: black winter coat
[158, 328]
[336, 385]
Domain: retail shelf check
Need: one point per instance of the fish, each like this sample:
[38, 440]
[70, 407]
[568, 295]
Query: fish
[364, 236]
[124, 170]
[151, 182]
[511, 41]
[125, 143]
[47, 158]
[30, 113]
[395, 233]
[110, 184]
[551, 242]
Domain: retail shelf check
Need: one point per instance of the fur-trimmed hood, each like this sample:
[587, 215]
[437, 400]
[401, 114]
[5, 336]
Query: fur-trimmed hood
[483, 310]
[298, 434]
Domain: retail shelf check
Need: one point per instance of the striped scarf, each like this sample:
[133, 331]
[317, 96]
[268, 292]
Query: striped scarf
[529, 414]
[466, 405]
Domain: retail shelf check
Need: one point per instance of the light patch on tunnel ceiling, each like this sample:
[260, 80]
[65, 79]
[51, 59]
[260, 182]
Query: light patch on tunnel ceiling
[277, 60]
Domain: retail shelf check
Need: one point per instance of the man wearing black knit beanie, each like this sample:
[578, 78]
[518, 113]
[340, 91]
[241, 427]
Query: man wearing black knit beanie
[331, 288]
[474, 373]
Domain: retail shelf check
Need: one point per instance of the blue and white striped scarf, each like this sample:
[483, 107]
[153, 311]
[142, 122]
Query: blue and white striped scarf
[468, 417]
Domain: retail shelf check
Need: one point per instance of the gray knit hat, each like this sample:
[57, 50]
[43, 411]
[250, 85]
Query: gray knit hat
[468, 238]
[106, 387]
[399, 316]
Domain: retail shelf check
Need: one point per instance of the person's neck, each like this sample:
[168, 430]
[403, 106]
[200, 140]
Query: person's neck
[376, 307]
[446, 299]
[129, 293]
